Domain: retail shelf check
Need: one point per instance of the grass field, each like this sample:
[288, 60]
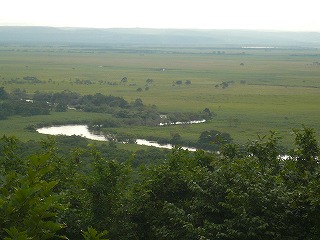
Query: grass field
[277, 89]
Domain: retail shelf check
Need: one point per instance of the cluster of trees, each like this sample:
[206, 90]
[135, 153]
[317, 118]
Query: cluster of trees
[210, 140]
[13, 104]
[83, 82]
[180, 82]
[247, 192]
[213, 139]
[17, 103]
[27, 79]
[133, 113]
[94, 103]
[224, 84]
[147, 86]
[89, 103]
[126, 113]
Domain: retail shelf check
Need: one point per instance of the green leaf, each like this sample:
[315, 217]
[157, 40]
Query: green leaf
[92, 234]
[15, 234]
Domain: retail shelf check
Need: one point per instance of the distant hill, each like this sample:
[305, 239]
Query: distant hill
[159, 37]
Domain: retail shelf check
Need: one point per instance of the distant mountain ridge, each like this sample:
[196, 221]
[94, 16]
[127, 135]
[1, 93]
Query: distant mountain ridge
[160, 37]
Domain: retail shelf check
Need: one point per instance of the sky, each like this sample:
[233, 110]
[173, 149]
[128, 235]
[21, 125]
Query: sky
[294, 15]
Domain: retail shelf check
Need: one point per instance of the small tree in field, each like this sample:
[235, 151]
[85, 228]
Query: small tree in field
[188, 82]
[124, 80]
[179, 82]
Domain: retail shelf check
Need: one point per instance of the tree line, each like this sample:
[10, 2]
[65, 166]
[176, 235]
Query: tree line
[13, 104]
[18, 102]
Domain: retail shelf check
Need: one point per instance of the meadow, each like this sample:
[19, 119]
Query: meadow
[251, 91]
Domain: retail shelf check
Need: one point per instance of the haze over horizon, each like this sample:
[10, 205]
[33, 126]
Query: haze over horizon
[271, 15]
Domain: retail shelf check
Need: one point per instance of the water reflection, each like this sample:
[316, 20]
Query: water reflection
[155, 144]
[83, 131]
[69, 130]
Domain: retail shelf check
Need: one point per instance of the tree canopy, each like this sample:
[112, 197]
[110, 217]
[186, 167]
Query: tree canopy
[244, 192]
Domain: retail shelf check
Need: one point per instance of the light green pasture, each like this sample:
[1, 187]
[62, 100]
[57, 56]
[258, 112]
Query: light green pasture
[273, 90]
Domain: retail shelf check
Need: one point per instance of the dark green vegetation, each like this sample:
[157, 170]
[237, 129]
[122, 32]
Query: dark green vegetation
[245, 192]
[17, 104]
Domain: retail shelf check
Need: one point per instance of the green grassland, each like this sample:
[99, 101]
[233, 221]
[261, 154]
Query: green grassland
[276, 89]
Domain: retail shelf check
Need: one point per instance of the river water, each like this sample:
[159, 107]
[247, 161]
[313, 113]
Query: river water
[69, 130]
[155, 144]
[83, 131]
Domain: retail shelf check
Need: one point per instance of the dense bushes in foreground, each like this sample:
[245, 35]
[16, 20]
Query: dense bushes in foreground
[247, 192]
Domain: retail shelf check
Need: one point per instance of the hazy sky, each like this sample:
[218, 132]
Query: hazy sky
[294, 15]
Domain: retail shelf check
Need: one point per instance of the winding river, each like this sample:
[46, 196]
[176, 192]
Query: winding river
[83, 131]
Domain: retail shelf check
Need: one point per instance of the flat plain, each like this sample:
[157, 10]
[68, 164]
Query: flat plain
[251, 91]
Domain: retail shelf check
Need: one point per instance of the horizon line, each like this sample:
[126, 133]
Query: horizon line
[163, 28]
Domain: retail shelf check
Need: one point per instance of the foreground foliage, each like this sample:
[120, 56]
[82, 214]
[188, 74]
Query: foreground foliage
[247, 192]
